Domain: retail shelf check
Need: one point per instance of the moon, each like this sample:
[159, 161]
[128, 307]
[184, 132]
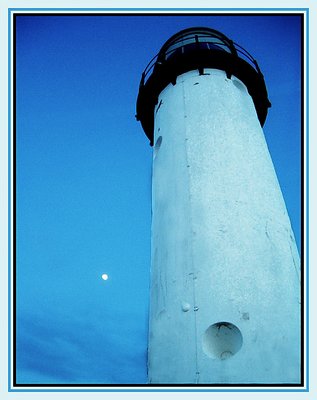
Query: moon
[104, 277]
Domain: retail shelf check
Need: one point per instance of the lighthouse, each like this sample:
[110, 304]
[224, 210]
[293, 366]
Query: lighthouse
[225, 270]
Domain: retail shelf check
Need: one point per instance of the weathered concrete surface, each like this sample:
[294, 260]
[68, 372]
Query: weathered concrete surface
[223, 251]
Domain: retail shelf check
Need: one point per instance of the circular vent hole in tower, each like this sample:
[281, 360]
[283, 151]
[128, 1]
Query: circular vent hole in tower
[222, 340]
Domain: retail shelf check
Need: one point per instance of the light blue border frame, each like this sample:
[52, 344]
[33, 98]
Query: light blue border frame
[9, 198]
[307, 197]
[305, 11]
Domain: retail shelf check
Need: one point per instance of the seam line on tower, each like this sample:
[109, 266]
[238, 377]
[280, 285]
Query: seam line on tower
[193, 270]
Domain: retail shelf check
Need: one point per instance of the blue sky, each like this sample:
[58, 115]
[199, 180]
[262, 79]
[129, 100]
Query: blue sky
[84, 182]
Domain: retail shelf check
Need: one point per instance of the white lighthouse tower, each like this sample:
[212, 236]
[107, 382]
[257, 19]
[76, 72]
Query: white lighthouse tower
[225, 273]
